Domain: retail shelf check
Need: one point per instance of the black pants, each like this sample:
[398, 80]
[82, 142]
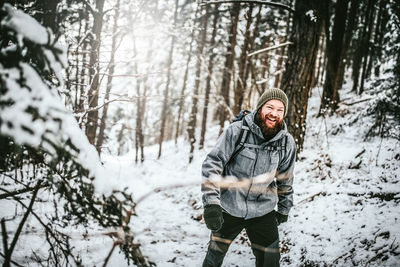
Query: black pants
[263, 235]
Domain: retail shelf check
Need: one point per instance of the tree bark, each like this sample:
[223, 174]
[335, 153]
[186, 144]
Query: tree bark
[347, 40]
[330, 94]
[241, 83]
[361, 49]
[83, 77]
[254, 34]
[193, 114]
[93, 94]
[164, 110]
[380, 32]
[209, 75]
[229, 60]
[367, 48]
[100, 138]
[302, 54]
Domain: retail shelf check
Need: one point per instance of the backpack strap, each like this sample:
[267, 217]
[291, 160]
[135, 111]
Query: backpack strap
[282, 150]
[280, 146]
[240, 143]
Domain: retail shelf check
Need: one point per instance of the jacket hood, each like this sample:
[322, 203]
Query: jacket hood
[254, 128]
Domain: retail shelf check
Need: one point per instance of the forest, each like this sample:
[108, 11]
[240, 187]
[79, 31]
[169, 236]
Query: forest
[109, 107]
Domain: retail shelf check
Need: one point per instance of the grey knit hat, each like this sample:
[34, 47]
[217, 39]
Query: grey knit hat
[273, 93]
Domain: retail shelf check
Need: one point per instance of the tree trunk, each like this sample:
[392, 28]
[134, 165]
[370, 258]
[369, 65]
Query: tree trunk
[330, 94]
[193, 114]
[360, 49]
[366, 43]
[164, 110]
[228, 68]
[380, 32]
[209, 75]
[119, 139]
[185, 77]
[302, 54]
[93, 94]
[249, 63]
[347, 39]
[279, 64]
[100, 137]
[76, 102]
[241, 83]
[83, 77]
[319, 61]
[374, 45]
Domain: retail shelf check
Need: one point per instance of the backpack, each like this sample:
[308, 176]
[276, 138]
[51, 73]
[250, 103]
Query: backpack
[279, 145]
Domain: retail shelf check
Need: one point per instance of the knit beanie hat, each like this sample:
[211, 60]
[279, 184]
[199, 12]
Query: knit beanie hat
[273, 93]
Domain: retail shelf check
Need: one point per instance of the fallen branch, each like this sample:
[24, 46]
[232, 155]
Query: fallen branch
[311, 198]
[359, 154]
[357, 166]
[353, 103]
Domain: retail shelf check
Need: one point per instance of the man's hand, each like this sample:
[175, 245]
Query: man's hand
[281, 218]
[213, 217]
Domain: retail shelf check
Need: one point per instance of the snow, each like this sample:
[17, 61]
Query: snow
[311, 15]
[346, 189]
[59, 126]
[340, 217]
[25, 25]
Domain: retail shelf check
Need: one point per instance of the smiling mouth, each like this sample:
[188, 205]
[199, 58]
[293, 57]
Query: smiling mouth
[270, 119]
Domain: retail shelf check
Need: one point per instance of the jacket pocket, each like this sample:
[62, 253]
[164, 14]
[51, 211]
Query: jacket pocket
[243, 163]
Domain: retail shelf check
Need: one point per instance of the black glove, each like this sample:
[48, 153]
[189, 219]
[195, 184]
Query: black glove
[213, 217]
[281, 218]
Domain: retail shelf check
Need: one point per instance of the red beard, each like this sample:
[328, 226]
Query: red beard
[268, 124]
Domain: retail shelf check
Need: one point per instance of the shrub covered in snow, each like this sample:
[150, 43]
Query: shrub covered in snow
[385, 106]
[42, 146]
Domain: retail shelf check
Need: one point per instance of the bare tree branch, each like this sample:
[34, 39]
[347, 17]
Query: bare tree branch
[116, 243]
[288, 8]
[20, 191]
[13, 262]
[268, 49]
[20, 226]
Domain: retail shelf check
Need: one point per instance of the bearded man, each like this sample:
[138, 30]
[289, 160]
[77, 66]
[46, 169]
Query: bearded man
[260, 172]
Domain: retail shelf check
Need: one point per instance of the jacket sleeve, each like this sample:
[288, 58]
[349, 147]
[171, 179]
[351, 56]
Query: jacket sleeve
[214, 163]
[284, 178]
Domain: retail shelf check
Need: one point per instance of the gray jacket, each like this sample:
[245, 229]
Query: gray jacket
[256, 179]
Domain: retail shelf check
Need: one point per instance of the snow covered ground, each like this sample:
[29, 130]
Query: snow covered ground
[346, 201]
[346, 198]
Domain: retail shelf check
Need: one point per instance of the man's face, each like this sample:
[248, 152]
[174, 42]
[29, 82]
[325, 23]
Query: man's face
[270, 118]
[272, 113]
